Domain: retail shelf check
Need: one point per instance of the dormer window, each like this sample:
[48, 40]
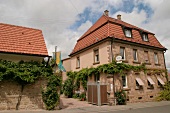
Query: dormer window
[128, 33]
[145, 37]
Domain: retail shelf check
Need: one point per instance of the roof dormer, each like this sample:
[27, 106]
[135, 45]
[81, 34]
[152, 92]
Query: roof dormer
[127, 31]
[144, 36]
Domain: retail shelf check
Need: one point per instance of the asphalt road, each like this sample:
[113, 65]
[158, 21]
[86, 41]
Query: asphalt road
[157, 109]
[162, 108]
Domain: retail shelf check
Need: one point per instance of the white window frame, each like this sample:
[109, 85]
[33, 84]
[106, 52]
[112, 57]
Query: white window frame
[126, 84]
[156, 58]
[145, 37]
[147, 55]
[78, 62]
[96, 56]
[123, 57]
[136, 55]
[128, 33]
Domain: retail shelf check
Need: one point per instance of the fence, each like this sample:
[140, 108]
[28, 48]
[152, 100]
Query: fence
[97, 93]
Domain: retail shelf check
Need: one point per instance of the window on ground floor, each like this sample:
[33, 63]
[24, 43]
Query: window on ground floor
[150, 82]
[124, 81]
[139, 83]
[97, 78]
[160, 81]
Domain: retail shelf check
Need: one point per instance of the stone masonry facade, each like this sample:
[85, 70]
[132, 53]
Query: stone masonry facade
[142, 93]
[31, 97]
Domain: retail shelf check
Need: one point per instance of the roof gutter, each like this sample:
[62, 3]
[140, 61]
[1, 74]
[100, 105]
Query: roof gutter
[140, 45]
[26, 54]
[90, 46]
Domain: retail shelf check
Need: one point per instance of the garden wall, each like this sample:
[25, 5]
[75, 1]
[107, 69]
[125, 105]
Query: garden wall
[31, 98]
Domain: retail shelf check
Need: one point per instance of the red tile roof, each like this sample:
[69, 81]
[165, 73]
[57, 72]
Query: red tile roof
[110, 27]
[22, 40]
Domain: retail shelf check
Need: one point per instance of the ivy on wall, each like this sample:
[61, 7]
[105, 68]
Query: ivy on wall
[27, 73]
[50, 95]
[110, 68]
[165, 93]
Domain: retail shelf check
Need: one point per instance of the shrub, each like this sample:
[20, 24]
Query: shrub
[68, 88]
[50, 95]
[76, 95]
[120, 97]
[83, 96]
[165, 93]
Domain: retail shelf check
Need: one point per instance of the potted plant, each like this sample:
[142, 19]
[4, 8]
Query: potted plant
[121, 97]
[83, 97]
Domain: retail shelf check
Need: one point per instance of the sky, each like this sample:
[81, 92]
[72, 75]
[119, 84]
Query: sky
[64, 21]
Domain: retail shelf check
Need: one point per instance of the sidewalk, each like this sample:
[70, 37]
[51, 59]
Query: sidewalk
[96, 109]
[106, 108]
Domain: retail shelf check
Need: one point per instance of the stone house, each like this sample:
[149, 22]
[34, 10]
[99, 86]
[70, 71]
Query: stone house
[27, 44]
[110, 37]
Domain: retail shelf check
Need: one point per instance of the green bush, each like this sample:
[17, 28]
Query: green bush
[68, 88]
[76, 95]
[83, 96]
[165, 93]
[50, 95]
[120, 97]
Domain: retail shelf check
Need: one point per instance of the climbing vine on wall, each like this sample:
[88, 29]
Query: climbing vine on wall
[50, 95]
[110, 68]
[27, 73]
[165, 93]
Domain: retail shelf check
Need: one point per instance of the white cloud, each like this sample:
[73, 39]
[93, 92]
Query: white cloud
[84, 27]
[156, 23]
[152, 3]
[159, 24]
[100, 6]
[135, 17]
[54, 18]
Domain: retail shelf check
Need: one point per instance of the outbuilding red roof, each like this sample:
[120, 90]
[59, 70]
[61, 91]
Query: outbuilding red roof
[21, 40]
[110, 27]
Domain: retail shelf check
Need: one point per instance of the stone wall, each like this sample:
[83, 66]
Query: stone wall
[31, 98]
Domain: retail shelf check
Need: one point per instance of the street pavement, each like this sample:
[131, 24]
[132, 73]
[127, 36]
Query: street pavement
[156, 109]
[147, 107]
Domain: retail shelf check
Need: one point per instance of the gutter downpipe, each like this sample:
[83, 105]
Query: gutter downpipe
[167, 77]
[113, 74]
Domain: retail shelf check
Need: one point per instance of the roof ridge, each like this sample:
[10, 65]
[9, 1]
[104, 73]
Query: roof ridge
[84, 35]
[20, 26]
[118, 22]
[111, 27]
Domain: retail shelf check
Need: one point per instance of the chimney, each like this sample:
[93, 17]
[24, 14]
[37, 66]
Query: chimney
[119, 17]
[106, 13]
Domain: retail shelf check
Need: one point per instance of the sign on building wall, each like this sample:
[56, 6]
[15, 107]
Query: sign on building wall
[119, 59]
